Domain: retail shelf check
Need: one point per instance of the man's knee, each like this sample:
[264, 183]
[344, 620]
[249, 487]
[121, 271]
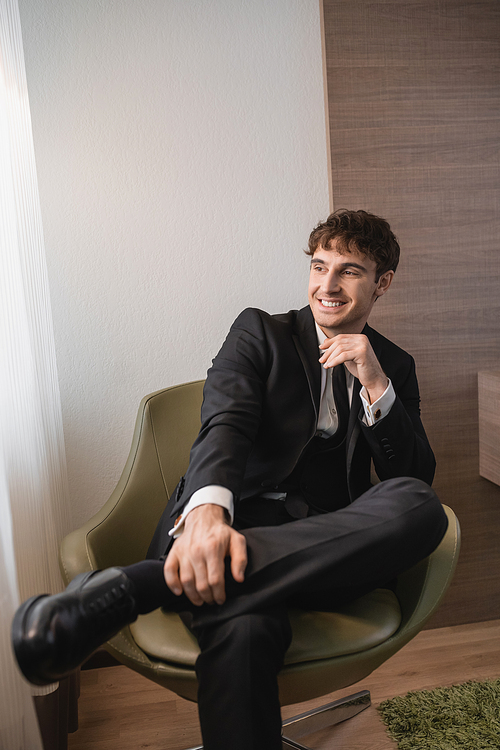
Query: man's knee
[406, 493]
[421, 496]
[407, 486]
[418, 513]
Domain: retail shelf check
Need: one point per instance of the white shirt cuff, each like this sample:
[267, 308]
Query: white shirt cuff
[380, 408]
[212, 494]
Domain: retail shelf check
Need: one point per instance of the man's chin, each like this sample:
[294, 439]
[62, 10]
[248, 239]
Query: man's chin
[327, 319]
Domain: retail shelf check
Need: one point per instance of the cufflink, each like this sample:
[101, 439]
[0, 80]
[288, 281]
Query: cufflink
[177, 520]
[377, 414]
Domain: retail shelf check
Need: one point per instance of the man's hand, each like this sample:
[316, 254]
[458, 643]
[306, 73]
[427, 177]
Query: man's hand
[195, 564]
[355, 351]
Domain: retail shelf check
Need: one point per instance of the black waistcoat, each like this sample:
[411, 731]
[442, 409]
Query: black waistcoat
[320, 475]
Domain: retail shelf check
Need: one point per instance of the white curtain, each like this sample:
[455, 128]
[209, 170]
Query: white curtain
[33, 485]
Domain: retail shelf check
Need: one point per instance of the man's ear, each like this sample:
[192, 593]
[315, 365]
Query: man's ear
[384, 283]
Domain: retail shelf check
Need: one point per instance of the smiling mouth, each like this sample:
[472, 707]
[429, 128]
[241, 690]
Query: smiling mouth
[327, 303]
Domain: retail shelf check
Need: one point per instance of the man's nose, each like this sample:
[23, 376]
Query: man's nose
[331, 282]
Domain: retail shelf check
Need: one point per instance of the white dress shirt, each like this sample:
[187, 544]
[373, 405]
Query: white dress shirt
[214, 494]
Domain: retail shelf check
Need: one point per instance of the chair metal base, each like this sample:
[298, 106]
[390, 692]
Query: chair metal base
[319, 718]
[322, 717]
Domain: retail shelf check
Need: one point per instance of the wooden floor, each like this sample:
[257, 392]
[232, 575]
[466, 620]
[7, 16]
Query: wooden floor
[120, 710]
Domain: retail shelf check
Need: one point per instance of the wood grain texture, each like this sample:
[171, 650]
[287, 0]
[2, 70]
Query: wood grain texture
[414, 106]
[121, 710]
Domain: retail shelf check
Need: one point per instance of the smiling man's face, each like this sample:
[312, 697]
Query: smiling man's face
[343, 290]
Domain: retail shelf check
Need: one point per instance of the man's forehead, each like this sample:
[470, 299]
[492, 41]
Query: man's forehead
[339, 256]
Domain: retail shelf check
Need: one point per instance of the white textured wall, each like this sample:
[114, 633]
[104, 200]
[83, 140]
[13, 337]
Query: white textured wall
[181, 154]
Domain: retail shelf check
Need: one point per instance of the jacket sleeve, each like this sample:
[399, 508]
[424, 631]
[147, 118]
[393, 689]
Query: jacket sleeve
[398, 443]
[231, 410]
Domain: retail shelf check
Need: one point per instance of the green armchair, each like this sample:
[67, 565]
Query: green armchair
[329, 651]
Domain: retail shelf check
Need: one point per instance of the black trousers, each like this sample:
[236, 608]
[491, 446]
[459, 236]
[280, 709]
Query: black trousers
[315, 563]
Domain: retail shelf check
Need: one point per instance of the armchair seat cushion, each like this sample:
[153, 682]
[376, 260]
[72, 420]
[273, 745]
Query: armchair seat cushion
[353, 628]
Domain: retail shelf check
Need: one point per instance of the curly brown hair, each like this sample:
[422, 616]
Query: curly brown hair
[361, 231]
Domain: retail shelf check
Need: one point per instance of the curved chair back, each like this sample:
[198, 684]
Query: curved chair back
[329, 650]
[120, 533]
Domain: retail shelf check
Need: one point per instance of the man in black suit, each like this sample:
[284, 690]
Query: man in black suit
[277, 505]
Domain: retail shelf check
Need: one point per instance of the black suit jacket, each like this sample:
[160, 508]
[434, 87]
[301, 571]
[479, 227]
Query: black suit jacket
[260, 409]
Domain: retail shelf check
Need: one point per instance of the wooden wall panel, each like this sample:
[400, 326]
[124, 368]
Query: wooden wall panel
[414, 111]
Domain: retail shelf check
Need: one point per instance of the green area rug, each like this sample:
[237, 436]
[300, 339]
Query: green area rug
[452, 718]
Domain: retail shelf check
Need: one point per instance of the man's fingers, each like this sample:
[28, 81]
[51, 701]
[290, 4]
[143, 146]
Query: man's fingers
[336, 356]
[215, 573]
[216, 581]
[345, 349]
[182, 578]
[194, 583]
[333, 351]
[197, 567]
[238, 554]
[171, 573]
[356, 353]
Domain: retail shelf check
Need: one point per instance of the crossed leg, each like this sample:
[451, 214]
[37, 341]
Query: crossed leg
[317, 562]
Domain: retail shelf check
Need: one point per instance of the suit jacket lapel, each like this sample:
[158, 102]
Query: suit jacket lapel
[306, 343]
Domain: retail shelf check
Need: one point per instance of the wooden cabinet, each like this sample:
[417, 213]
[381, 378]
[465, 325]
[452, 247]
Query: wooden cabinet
[489, 425]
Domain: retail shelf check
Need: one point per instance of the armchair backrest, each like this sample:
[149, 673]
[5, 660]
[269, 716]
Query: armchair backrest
[120, 533]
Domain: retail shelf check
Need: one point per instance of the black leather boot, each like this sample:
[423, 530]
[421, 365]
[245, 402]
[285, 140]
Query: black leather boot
[53, 635]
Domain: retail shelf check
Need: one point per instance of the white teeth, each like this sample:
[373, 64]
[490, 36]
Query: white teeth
[331, 304]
